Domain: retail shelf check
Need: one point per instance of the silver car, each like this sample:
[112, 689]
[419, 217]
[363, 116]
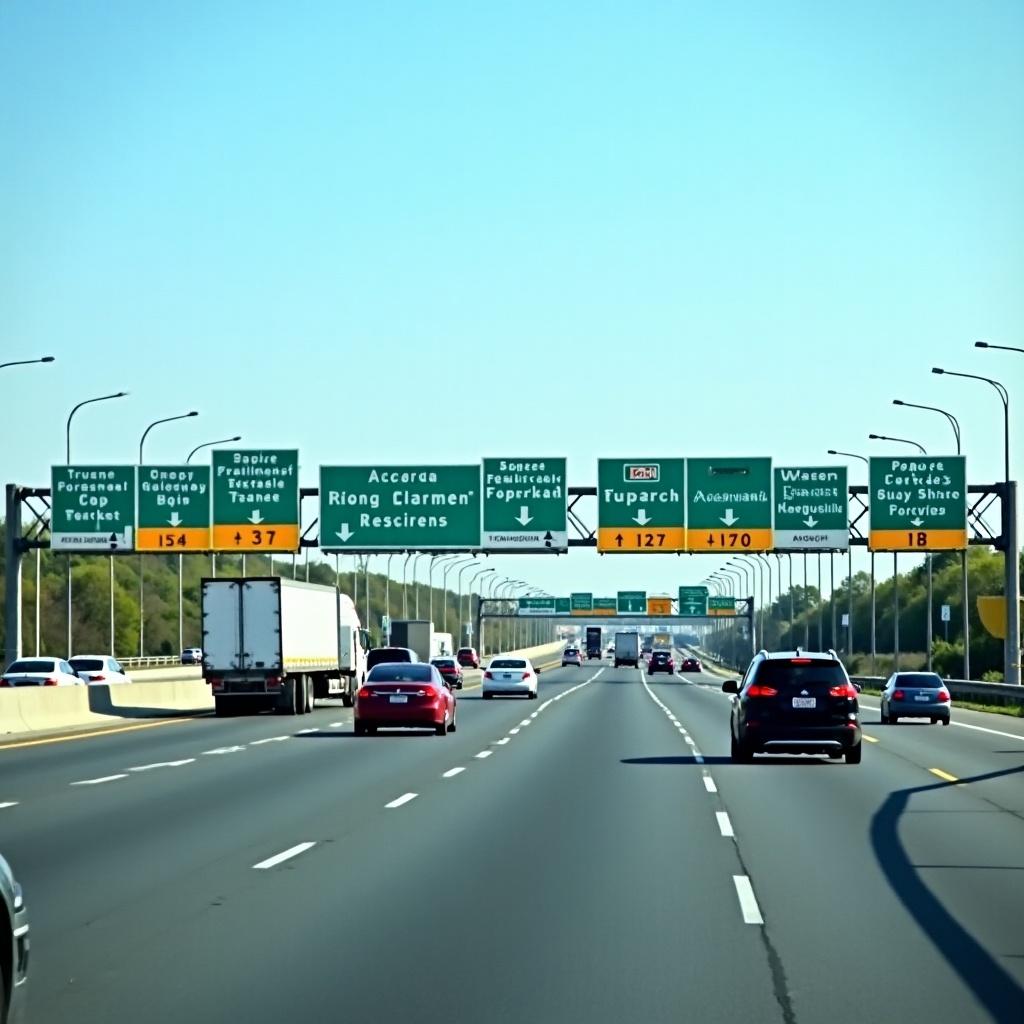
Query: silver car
[915, 695]
[13, 948]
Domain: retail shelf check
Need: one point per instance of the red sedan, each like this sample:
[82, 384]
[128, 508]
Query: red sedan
[467, 657]
[404, 696]
[691, 665]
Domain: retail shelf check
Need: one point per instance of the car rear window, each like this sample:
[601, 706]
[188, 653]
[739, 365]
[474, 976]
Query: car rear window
[408, 673]
[785, 675]
[39, 665]
[444, 662]
[508, 663]
[379, 655]
[660, 655]
[571, 650]
[87, 664]
[466, 650]
[929, 679]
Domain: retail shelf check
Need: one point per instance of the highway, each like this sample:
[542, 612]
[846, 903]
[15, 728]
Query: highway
[589, 856]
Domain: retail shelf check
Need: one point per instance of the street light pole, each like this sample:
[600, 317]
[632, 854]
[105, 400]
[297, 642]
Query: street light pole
[386, 639]
[142, 607]
[405, 595]
[458, 602]
[27, 362]
[469, 616]
[444, 589]
[67, 462]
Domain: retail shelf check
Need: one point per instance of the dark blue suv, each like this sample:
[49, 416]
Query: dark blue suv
[795, 702]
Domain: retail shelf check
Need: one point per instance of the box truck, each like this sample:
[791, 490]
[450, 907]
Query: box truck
[627, 649]
[593, 642]
[415, 634]
[278, 644]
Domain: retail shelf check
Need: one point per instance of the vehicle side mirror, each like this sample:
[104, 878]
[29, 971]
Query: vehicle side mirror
[458, 684]
[858, 687]
[731, 686]
[537, 670]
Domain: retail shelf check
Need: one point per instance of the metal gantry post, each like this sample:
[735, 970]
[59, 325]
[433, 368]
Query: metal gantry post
[874, 649]
[895, 612]
[12, 577]
[928, 628]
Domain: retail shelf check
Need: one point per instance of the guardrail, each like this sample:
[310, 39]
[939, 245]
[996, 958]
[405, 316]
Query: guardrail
[963, 689]
[157, 662]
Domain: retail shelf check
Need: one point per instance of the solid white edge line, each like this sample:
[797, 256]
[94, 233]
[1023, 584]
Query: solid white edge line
[268, 739]
[303, 732]
[748, 901]
[709, 784]
[964, 725]
[724, 824]
[8, 803]
[96, 782]
[452, 772]
[400, 801]
[283, 856]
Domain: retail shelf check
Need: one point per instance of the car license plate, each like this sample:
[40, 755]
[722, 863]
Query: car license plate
[922, 696]
[805, 702]
[399, 700]
[506, 675]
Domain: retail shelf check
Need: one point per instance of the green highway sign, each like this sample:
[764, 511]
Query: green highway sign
[255, 499]
[582, 602]
[399, 508]
[918, 503]
[605, 606]
[811, 509]
[693, 601]
[174, 508]
[631, 602]
[524, 505]
[640, 505]
[722, 606]
[562, 606]
[729, 504]
[537, 606]
[92, 508]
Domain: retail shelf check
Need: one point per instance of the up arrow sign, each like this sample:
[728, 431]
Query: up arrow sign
[810, 522]
[256, 518]
[524, 517]
[345, 533]
[729, 518]
[641, 518]
[175, 519]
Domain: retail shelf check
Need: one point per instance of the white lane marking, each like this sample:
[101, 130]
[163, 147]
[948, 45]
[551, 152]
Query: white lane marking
[223, 750]
[513, 732]
[162, 764]
[279, 858]
[502, 742]
[748, 901]
[269, 739]
[724, 824]
[337, 725]
[484, 753]
[964, 725]
[96, 782]
[8, 803]
[709, 784]
[525, 721]
[402, 800]
[534, 715]
[452, 772]
[544, 705]
[18, 932]
[698, 758]
[304, 732]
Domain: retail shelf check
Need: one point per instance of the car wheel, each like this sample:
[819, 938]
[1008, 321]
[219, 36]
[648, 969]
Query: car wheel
[738, 752]
[893, 719]
[451, 728]
[853, 754]
[945, 721]
[486, 696]
[347, 700]
[358, 729]
[441, 729]
[835, 755]
[934, 720]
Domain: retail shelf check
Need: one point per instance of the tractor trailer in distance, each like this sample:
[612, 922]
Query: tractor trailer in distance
[593, 642]
[278, 644]
[627, 649]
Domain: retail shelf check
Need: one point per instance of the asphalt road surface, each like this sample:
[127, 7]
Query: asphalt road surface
[592, 856]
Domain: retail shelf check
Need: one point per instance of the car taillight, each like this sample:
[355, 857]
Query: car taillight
[98, 678]
[759, 690]
[527, 675]
[430, 692]
[274, 682]
[943, 696]
[898, 695]
[845, 690]
[487, 675]
[364, 692]
[50, 682]
[799, 661]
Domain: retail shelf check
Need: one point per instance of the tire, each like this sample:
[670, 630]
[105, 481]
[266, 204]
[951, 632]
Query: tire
[853, 754]
[347, 700]
[442, 728]
[486, 696]
[945, 721]
[358, 729]
[835, 755]
[224, 707]
[893, 719]
[738, 752]
[288, 699]
[451, 728]
[310, 695]
[533, 695]
[934, 721]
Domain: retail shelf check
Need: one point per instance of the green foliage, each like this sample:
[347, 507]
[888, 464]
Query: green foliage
[992, 677]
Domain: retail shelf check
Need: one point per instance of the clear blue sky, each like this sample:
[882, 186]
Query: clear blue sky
[414, 232]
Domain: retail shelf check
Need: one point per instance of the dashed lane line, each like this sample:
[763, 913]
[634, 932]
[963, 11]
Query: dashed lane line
[284, 855]
[8, 803]
[748, 901]
[724, 824]
[401, 801]
[97, 782]
[452, 772]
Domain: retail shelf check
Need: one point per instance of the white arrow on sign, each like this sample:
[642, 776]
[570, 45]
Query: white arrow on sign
[524, 516]
[175, 519]
[729, 518]
[641, 518]
[810, 522]
[918, 521]
[256, 518]
[345, 533]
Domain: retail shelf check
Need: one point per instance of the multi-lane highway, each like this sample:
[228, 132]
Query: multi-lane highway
[590, 856]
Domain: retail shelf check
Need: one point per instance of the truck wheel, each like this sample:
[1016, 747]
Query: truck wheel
[288, 701]
[347, 700]
[224, 707]
[310, 694]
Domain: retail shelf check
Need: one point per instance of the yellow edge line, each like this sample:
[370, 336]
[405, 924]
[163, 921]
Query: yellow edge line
[945, 776]
[870, 739]
[100, 732]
